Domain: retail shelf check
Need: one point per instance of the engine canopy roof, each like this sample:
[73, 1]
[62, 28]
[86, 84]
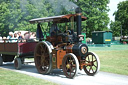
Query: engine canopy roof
[56, 19]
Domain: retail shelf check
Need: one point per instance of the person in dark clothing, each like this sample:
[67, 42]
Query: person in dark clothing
[39, 32]
[20, 37]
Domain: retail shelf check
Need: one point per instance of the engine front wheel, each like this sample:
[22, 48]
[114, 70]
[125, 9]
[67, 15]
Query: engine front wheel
[93, 64]
[70, 65]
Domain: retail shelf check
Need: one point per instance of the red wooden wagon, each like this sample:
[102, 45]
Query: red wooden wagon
[20, 50]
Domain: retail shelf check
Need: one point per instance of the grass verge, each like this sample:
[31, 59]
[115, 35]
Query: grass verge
[8, 77]
[114, 59]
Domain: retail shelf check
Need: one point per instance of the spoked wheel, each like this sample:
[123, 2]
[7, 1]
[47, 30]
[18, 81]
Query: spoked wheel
[70, 65]
[93, 64]
[17, 63]
[42, 58]
[1, 61]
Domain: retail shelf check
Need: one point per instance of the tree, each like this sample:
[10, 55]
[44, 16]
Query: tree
[31, 9]
[15, 14]
[116, 28]
[4, 15]
[121, 16]
[96, 12]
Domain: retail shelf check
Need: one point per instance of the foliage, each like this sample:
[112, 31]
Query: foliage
[121, 18]
[4, 12]
[96, 12]
[15, 14]
[116, 28]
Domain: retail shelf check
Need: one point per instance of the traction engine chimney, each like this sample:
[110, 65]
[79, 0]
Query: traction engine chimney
[78, 21]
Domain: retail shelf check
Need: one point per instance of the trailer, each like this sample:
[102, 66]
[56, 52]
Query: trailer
[16, 51]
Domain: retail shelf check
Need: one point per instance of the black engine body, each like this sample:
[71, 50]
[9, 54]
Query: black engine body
[80, 49]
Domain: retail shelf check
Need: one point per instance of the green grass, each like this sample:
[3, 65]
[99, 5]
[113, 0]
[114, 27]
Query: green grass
[8, 77]
[113, 59]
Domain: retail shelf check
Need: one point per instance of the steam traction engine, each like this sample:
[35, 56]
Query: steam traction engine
[65, 50]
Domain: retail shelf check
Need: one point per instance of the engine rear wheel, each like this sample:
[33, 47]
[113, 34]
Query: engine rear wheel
[1, 61]
[17, 63]
[43, 58]
[70, 65]
[93, 64]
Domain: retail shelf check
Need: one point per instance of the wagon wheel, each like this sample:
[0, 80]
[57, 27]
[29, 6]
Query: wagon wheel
[17, 63]
[70, 65]
[1, 61]
[93, 64]
[42, 58]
